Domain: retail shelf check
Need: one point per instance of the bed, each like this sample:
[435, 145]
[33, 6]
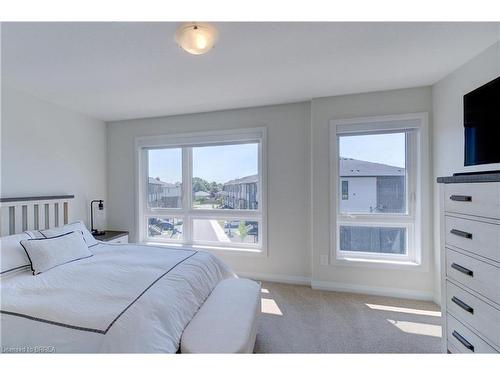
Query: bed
[125, 298]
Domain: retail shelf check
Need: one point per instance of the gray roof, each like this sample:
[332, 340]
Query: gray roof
[244, 180]
[156, 181]
[352, 167]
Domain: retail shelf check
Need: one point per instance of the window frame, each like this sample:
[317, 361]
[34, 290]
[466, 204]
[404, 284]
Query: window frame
[187, 212]
[417, 181]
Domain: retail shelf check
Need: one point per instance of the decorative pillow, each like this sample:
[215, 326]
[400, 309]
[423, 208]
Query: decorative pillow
[47, 253]
[12, 255]
[76, 226]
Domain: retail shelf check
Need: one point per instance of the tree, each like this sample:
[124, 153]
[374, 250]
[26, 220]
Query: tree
[243, 230]
[214, 188]
[199, 184]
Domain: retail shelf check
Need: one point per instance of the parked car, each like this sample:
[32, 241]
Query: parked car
[157, 226]
[253, 229]
[232, 224]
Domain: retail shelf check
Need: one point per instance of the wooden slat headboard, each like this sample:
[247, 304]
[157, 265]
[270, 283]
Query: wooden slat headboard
[29, 213]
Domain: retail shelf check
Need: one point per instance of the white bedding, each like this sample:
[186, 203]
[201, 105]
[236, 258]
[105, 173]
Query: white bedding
[125, 298]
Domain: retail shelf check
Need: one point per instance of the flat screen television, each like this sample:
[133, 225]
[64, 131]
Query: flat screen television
[482, 124]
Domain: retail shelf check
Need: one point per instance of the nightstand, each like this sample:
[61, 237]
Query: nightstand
[113, 236]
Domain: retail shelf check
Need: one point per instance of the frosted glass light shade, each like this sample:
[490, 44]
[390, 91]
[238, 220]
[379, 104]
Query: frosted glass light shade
[196, 38]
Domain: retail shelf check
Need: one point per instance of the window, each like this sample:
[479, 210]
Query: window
[165, 227]
[387, 240]
[165, 191]
[376, 167]
[203, 190]
[345, 189]
[226, 177]
[228, 231]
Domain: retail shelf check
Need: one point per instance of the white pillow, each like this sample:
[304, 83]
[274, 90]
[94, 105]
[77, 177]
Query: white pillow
[34, 233]
[76, 226]
[47, 253]
[12, 255]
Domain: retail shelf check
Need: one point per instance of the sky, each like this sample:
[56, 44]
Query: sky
[377, 148]
[212, 163]
[166, 163]
[224, 163]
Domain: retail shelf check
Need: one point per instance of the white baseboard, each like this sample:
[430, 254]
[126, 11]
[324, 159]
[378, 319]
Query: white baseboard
[373, 290]
[286, 279]
[341, 287]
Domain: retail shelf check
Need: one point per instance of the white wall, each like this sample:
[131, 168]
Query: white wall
[448, 131]
[49, 150]
[416, 283]
[288, 221]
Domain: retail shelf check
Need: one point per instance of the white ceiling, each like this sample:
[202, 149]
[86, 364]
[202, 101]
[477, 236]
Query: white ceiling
[114, 71]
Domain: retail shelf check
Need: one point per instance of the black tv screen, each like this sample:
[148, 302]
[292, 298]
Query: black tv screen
[482, 124]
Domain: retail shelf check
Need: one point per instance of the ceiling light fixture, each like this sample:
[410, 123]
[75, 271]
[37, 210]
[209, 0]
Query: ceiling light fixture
[196, 38]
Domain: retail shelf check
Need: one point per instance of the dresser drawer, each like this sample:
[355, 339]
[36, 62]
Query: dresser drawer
[463, 339]
[475, 236]
[469, 309]
[477, 275]
[452, 349]
[479, 199]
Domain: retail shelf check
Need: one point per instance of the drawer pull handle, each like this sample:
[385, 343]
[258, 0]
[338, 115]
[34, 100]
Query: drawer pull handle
[461, 233]
[463, 341]
[463, 305]
[461, 198]
[459, 268]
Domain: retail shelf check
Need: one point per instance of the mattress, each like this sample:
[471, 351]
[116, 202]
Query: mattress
[126, 298]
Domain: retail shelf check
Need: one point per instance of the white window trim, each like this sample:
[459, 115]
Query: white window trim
[187, 140]
[418, 254]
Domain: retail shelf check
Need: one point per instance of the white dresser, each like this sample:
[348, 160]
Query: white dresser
[470, 263]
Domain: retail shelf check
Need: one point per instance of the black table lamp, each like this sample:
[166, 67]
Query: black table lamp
[101, 207]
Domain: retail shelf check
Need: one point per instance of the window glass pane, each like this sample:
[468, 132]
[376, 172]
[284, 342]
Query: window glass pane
[372, 173]
[225, 232]
[165, 227]
[345, 189]
[164, 178]
[383, 240]
[226, 177]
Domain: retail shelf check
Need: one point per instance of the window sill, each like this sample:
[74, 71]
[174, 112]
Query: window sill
[219, 250]
[378, 263]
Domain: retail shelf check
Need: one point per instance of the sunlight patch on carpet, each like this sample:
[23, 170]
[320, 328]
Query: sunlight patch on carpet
[269, 306]
[417, 328]
[404, 310]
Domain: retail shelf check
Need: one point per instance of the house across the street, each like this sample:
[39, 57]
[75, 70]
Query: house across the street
[240, 193]
[164, 194]
[371, 187]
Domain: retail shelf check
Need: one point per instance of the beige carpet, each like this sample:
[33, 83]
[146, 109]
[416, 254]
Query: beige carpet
[298, 319]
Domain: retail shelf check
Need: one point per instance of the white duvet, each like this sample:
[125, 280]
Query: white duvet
[125, 298]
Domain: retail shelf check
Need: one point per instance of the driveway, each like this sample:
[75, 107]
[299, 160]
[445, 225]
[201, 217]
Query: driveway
[209, 230]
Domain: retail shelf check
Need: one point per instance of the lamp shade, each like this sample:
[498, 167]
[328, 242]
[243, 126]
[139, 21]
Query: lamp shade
[196, 38]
